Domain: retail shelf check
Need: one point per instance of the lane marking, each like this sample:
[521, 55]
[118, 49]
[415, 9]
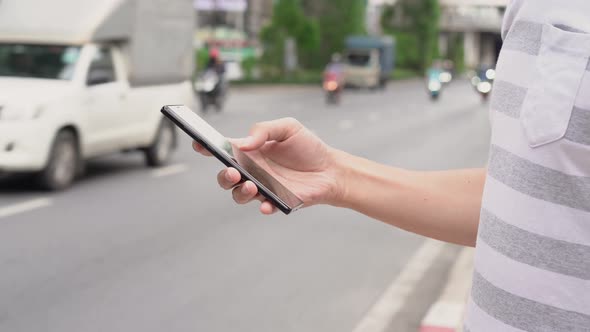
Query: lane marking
[27, 206]
[169, 170]
[394, 298]
[345, 124]
[446, 314]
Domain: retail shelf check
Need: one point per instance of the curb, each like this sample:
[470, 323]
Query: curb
[446, 314]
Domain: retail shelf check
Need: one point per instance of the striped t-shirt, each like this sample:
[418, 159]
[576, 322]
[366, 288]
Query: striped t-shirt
[532, 264]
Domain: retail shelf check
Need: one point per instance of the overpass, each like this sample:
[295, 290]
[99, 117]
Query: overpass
[479, 22]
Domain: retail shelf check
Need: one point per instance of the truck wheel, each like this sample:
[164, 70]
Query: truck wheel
[160, 152]
[204, 100]
[64, 162]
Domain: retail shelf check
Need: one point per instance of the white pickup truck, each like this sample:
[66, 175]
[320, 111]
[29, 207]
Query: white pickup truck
[77, 86]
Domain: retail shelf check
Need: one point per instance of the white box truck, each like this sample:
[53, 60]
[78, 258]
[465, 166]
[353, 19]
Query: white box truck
[84, 78]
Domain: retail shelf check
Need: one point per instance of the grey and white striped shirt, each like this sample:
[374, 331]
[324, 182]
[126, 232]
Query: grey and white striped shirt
[532, 264]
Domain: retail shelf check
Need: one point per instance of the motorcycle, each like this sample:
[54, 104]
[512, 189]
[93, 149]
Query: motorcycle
[483, 81]
[332, 88]
[434, 83]
[209, 88]
[434, 88]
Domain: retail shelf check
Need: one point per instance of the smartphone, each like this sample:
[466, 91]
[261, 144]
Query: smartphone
[245, 162]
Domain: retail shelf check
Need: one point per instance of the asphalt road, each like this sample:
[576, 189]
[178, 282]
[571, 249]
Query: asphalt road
[132, 249]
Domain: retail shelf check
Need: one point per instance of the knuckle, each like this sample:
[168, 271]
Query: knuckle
[291, 121]
[238, 197]
[257, 127]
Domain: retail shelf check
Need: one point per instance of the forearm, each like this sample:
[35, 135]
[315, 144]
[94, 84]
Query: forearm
[444, 205]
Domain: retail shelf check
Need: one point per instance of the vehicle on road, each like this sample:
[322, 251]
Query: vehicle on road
[483, 81]
[434, 83]
[333, 89]
[333, 81]
[209, 88]
[84, 78]
[369, 61]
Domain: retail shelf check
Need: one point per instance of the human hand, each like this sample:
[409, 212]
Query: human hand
[296, 157]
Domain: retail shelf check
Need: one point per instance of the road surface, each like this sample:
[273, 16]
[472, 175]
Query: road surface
[133, 249]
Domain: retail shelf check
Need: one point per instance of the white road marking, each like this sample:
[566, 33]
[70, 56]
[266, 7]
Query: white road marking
[31, 205]
[392, 301]
[169, 170]
[345, 124]
[374, 117]
[447, 313]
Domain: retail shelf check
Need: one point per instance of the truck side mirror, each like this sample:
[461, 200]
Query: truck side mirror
[98, 76]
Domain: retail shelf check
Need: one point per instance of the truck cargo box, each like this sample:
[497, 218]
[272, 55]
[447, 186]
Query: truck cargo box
[157, 35]
[385, 45]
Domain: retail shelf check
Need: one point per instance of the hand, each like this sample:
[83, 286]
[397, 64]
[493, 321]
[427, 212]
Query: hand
[296, 157]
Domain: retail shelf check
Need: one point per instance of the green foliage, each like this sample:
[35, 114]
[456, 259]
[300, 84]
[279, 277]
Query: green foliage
[338, 19]
[249, 65]
[414, 23]
[457, 51]
[202, 57]
[289, 21]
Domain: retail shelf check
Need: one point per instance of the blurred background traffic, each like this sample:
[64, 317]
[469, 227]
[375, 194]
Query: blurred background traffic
[93, 240]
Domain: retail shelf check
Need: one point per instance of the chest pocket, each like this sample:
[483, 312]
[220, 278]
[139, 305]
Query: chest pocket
[561, 64]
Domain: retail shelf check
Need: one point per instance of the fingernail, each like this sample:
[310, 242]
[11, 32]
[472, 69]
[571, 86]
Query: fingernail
[228, 176]
[245, 188]
[247, 141]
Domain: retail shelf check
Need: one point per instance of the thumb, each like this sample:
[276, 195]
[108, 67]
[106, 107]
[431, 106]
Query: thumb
[249, 143]
[277, 130]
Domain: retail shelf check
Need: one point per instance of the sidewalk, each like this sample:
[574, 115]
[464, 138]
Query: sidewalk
[446, 314]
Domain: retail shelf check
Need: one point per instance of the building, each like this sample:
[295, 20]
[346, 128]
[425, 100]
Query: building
[247, 16]
[258, 14]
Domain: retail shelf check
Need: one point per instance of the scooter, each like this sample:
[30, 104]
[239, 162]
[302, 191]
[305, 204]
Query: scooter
[333, 89]
[434, 83]
[209, 88]
[434, 89]
[483, 82]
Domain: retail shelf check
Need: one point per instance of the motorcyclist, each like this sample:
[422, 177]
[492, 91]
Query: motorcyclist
[215, 63]
[335, 69]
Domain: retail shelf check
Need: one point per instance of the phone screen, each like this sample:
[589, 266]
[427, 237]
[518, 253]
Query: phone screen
[252, 162]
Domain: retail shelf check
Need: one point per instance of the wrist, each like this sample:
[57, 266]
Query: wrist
[342, 174]
[355, 177]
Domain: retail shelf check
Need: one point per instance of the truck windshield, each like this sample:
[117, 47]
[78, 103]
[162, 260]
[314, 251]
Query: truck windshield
[38, 61]
[358, 59]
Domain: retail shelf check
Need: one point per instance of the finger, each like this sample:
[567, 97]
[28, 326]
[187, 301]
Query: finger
[245, 193]
[200, 149]
[228, 178]
[262, 132]
[267, 208]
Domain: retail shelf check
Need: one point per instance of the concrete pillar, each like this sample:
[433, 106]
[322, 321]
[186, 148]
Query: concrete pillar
[472, 49]
[488, 50]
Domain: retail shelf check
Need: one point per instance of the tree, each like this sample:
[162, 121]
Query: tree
[338, 19]
[289, 21]
[414, 23]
